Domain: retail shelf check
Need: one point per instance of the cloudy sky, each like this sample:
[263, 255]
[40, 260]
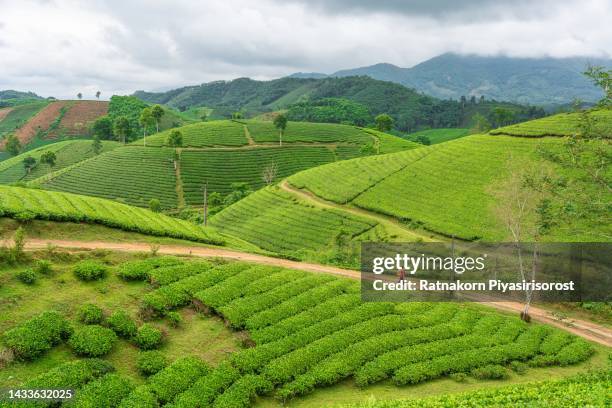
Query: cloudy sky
[61, 47]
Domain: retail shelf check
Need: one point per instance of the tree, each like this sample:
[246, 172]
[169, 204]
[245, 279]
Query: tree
[269, 173]
[384, 122]
[121, 128]
[422, 139]
[103, 128]
[502, 116]
[237, 115]
[175, 139]
[12, 145]
[280, 122]
[523, 208]
[28, 163]
[146, 119]
[239, 191]
[96, 145]
[80, 95]
[154, 205]
[480, 124]
[603, 79]
[98, 93]
[157, 112]
[49, 158]
[203, 117]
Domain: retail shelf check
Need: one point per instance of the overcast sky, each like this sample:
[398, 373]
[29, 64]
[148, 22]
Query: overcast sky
[61, 47]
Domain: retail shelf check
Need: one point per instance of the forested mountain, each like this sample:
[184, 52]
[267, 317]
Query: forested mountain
[411, 110]
[538, 81]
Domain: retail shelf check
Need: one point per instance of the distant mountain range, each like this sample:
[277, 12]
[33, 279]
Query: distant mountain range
[536, 81]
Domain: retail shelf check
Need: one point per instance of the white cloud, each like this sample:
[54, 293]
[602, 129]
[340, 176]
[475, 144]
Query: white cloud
[61, 47]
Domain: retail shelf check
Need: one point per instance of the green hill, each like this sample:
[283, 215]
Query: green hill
[17, 116]
[563, 124]
[67, 153]
[218, 153]
[26, 204]
[435, 136]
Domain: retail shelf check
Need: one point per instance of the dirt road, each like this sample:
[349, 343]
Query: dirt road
[582, 328]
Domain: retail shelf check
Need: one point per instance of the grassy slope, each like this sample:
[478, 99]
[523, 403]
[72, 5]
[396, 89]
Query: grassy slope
[67, 152]
[21, 203]
[19, 115]
[563, 124]
[215, 152]
[436, 136]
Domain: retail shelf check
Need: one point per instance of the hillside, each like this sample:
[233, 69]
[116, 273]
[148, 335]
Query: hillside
[496, 77]
[68, 153]
[410, 109]
[564, 124]
[219, 153]
[14, 117]
[10, 98]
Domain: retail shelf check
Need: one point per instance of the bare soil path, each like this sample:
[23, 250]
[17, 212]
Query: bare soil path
[4, 112]
[588, 330]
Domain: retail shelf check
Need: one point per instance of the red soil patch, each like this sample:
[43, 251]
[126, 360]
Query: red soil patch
[4, 112]
[79, 117]
[41, 121]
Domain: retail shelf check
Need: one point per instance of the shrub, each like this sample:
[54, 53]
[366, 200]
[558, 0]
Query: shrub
[150, 362]
[90, 314]
[73, 374]
[122, 324]
[141, 397]
[518, 367]
[27, 276]
[106, 391]
[90, 270]
[139, 270]
[93, 341]
[490, 372]
[37, 335]
[459, 377]
[43, 267]
[148, 337]
[154, 205]
[176, 378]
[175, 319]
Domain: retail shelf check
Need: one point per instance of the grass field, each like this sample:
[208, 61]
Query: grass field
[26, 204]
[19, 115]
[134, 175]
[306, 332]
[563, 124]
[67, 152]
[436, 136]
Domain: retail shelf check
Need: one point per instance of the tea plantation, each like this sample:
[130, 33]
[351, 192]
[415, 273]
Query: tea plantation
[27, 204]
[299, 332]
[67, 153]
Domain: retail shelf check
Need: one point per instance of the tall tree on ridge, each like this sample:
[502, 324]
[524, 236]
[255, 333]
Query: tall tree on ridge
[280, 122]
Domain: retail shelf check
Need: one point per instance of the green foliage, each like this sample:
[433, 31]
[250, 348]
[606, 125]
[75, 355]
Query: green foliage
[151, 362]
[165, 275]
[104, 392]
[37, 335]
[490, 372]
[303, 132]
[12, 145]
[92, 341]
[280, 122]
[157, 112]
[480, 124]
[436, 136]
[563, 124]
[422, 139]
[122, 128]
[96, 145]
[176, 378]
[102, 128]
[90, 270]
[148, 337]
[384, 122]
[28, 163]
[175, 139]
[139, 270]
[90, 314]
[208, 134]
[49, 157]
[43, 267]
[175, 319]
[330, 110]
[19, 115]
[154, 205]
[27, 276]
[122, 324]
[518, 367]
[602, 78]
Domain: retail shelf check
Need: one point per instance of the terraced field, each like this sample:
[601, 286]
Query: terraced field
[221, 168]
[79, 117]
[18, 116]
[131, 174]
[67, 152]
[563, 124]
[275, 220]
[305, 331]
[303, 132]
[25, 204]
[204, 134]
[436, 136]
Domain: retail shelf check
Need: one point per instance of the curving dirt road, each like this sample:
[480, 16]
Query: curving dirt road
[588, 330]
